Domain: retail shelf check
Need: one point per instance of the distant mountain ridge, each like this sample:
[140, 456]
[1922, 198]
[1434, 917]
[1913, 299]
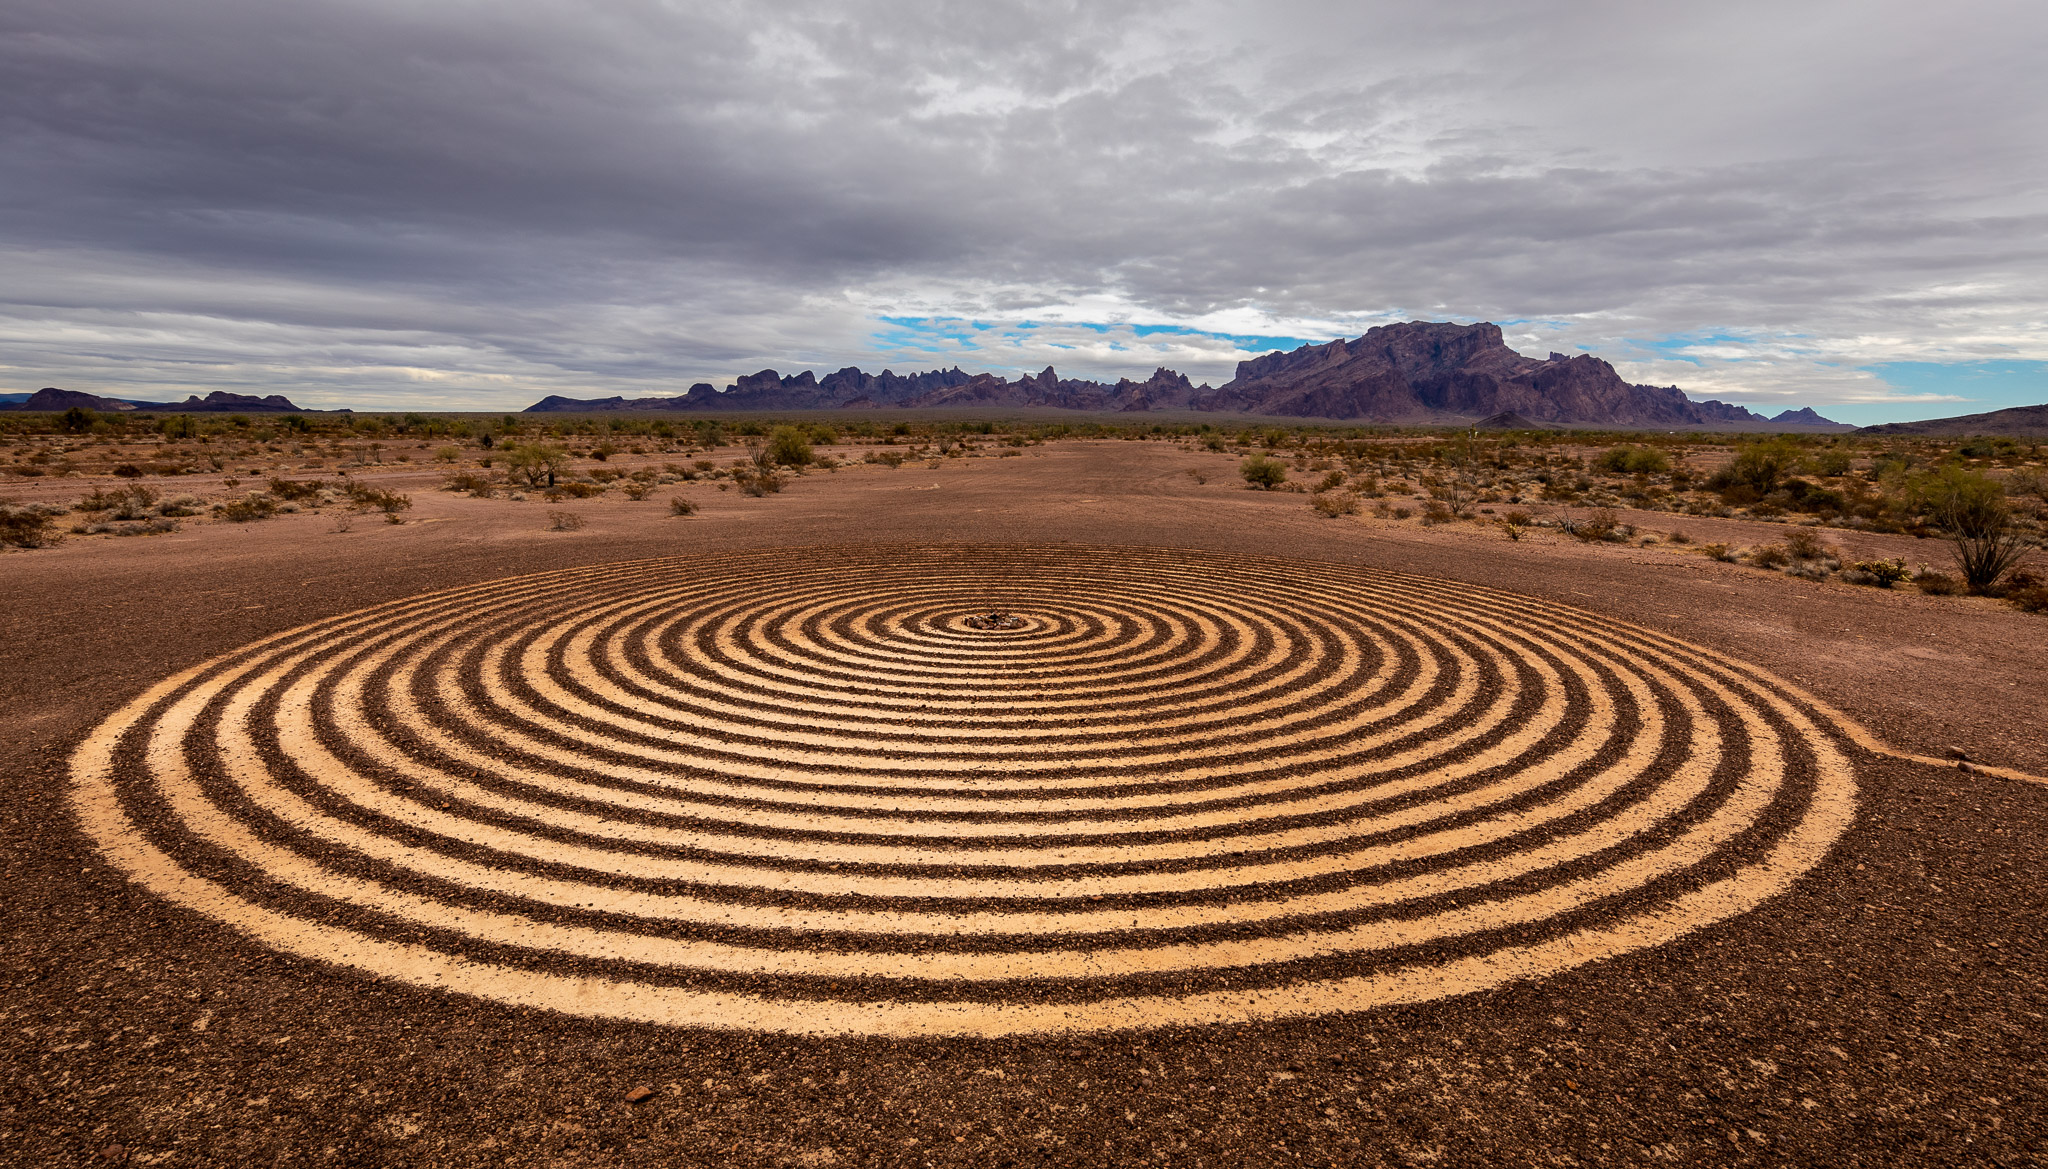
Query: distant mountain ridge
[2015, 420]
[52, 399]
[1417, 373]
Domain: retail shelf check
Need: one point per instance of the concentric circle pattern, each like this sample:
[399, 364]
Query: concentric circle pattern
[808, 791]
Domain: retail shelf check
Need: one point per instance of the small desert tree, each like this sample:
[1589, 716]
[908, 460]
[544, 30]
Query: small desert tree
[1971, 508]
[536, 462]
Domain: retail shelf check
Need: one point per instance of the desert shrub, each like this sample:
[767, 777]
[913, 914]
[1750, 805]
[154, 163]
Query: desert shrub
[606, 475]
[25, 527]
[1881, 574]
[2028, 592]
[1601, 525]
[1802, 544]
[100, 500]
[182, 505]
[604, 450]
[1754, 472]
[758, 483]
[447, 454]
[1436, 511]
[1720, 552]
[467, 481]
[254, 506]
[1678, 538]
[1331, 481]
[789, 447]
[1770, 556]
[128, 471]
[885, 458]
[564, 521]
[367, 498]
[680, 506]
[295, 489]
[153, 527]
[1518, 518]
[1936, 584]
[1262, 472]
[2034, 483]
[1833, 464]
[1635, 460]
[1334, 503]
[574, 489]
[637, 491]
[1513, 529]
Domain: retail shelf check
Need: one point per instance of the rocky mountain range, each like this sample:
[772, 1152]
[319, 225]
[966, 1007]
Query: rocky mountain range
[1418, 373]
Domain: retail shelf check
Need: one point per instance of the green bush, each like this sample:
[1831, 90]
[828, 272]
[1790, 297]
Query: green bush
[1756, 470]
[1262, 472]
[789, 447]
[1635, 460]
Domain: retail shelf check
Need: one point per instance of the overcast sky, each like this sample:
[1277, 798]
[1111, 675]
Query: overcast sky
[430, 204]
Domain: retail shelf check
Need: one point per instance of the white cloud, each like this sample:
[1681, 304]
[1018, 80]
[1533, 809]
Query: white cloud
[460, 206]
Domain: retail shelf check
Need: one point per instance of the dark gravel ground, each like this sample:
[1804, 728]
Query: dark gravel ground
[1890, 1010]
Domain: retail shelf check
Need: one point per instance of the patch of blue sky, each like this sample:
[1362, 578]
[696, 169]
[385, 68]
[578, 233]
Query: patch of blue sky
[1255, 342]
[1693, 348]
[1980, 386]
[911, 329]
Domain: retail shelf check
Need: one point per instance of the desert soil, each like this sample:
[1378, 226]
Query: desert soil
[1887, 1008]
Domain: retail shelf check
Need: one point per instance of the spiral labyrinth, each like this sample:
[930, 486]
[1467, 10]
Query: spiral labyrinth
[818, 791]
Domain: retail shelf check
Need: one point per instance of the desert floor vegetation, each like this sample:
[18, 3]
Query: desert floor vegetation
[1980, 507]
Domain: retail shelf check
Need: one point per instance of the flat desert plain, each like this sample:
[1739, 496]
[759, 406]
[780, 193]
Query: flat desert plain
[1082, 807]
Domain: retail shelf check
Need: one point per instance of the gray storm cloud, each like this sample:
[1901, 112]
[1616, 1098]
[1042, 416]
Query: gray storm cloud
[474, 204]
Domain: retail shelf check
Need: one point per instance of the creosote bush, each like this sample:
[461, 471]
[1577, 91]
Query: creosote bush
[564, 521]
[680, 506]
